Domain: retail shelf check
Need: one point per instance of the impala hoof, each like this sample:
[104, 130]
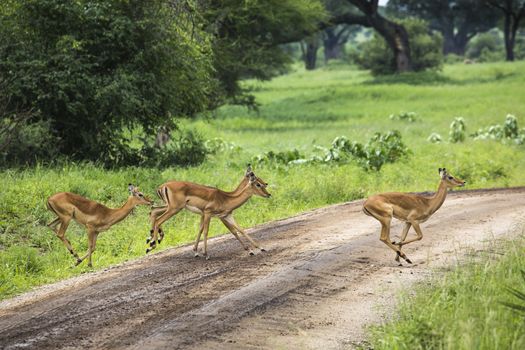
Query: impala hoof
[148, 239]
[78, 262]
[159, 240]
[207, 257]
[252, 253]
[408, 260]
[148, 250]
[196, 255]
[263, 250]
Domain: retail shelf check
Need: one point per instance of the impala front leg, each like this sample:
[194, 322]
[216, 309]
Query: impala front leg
[403, 237]
[234, 233]
[232, 222]
[205, 227]
[196, 245]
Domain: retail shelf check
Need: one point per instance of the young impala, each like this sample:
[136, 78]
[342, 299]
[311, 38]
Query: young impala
[94, 216]
[208, 202]
[413, 209]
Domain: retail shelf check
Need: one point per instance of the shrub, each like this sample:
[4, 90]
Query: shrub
[508, 131]
[457, 130]
[27, 142]
[434, 138]
[404, 116]
[187, 150]
[284, 157]
[425, 49]
[485, 44]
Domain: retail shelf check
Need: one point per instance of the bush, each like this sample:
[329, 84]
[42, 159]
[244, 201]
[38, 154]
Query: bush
[434, 138]
[457, 130]
[404, 116]
[508, 131]
[27, 142]
[425, 49]
[187, 150]
[485, 44]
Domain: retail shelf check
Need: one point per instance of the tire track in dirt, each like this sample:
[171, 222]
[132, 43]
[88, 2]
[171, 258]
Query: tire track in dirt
[317, 286]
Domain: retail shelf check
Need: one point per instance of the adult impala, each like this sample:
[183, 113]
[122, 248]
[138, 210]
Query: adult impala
[94, 216]
[413, 209]
[208, 202]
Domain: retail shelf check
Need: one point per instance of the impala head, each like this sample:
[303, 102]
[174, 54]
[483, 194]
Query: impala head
[258, 186]
[450, 180]
[138, 197]
[249, 172]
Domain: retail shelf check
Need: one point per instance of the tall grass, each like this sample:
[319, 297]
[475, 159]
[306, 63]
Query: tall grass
[462, 308]
[299, 111]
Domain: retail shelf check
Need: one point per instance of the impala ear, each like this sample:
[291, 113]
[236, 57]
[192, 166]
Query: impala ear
[252, 177]
[131, 188]
[249, 170]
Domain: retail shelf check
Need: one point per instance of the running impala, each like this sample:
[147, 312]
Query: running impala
[94, 216]
[413, 209]
[208, 202]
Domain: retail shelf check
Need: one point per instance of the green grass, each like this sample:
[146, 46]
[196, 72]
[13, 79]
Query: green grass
[462, 308]
[299, 110]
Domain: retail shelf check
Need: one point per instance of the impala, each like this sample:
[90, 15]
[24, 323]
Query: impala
[413, 209]
[94, 216]
[208, 202]
[158, 210]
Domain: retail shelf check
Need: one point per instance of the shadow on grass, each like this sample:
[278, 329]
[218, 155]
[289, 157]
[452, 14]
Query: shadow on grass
[435, 78]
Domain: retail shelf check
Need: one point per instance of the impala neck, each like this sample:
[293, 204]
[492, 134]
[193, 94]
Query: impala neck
[439, 197]
[121, 213]
[241, 186]
[240, 196]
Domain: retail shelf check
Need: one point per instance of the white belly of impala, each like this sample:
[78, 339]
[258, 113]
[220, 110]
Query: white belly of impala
[193, 209]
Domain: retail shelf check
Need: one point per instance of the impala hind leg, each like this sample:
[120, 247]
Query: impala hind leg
[385, 238]
[153, 215]
[156, 226]
[61, 234]
[205, 227]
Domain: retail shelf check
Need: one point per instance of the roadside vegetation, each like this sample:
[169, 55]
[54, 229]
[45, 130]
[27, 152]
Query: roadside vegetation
[476, 305]
[301, 111]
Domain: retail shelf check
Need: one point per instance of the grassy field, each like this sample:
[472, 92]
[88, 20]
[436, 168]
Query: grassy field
[298, 111]
[463, 308]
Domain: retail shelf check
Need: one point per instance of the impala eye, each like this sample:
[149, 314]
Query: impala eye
[141, 195]
[450, 177]
[258, 185]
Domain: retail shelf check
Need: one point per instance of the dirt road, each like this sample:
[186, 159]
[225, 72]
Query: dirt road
[325, 277]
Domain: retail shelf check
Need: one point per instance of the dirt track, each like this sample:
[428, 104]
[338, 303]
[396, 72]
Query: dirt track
[324, 278]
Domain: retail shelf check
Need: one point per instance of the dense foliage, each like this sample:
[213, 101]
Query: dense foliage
[102, 76]
[93, 69]
[425, 48]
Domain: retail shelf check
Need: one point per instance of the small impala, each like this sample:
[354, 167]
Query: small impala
[94, 216]
[413, 209]
[208, 202]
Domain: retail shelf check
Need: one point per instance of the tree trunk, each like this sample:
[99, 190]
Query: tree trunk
[332, 50]
[449, 44]
[310, 53]
[396, 37]
[509, 37]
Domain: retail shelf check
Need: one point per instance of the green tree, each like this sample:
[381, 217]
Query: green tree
[425, 46]
[513, 13]
[94, 68]
[247, 36]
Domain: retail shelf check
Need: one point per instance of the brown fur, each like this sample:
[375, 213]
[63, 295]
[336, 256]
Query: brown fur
[208, 202]
[413, 209]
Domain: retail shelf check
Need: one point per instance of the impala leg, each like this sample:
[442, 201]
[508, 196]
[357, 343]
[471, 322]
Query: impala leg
[205, 228]
[232, 230]
[419, 235]
[385, 238]
[232, 222]
[154, 214]
[158, 222]
[61, 234]
[196, 245]
[53, 224]
[92, 241]
[404, 234]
